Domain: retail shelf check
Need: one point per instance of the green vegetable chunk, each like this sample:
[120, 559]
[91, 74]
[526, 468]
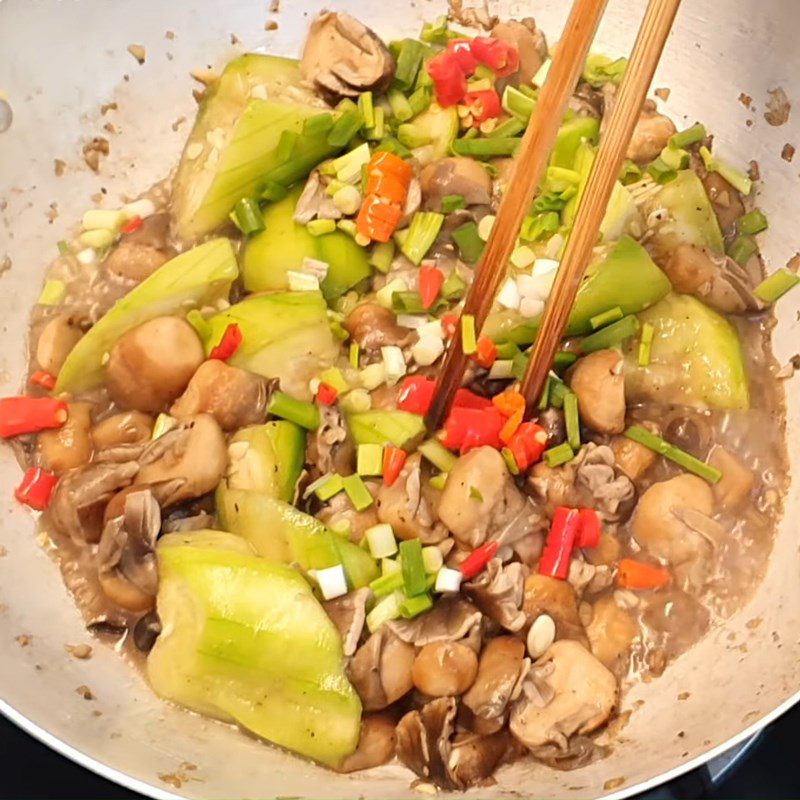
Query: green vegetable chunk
[695, 358]
[233, 146]
[278, 531]
[284, 335]
[441, 126]
[198, 277]
[385, 427]
[244, 640]
[267, 458]
[284, 244]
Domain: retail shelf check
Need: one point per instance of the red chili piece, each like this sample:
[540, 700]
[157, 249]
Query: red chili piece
[461, 50]
[133, 224]
[486, 354]
[394, 460]
[560, 543]
[501, 57]
[468, 428]
[42, 379]
[430, 282]
[228, 344]
[477, 560]
[326, 394]
[449, 80]
[36, 488]
[466, 399]
[588, 528]
[527, 444]
[416, 394]
[483, 105]
[24, 414]
[449, 323]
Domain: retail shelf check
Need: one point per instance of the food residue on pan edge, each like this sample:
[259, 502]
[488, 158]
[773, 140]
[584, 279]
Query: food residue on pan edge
[778, 107]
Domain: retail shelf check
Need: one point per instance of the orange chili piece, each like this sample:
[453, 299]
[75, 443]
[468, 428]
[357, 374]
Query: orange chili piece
[393, 461]
[20, 415]
[43, 379]
[429, 280]
[486, 353]
[378, 219]
[633, 574]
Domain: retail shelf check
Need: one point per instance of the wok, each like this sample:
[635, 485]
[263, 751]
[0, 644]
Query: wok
[60, 62]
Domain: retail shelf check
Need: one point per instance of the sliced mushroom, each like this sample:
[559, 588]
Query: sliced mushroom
[557, 599]
[141, 253]
[342, 58]
[444, 669]
[607, 552]
[498, 593]
[423, 740]
[69, 446]
[126, 559]
[376, 744]
[726, 201]
[331, 447]
[670, 523]
[480, 495]
[632, 458]
[380, 671]
[717, 280]
[130, 427]
[450, 620]
[584, 693]
[186, 462]
[732, 491]
[339, 510]
[314, 202]
[473, 758]
[59, 335]
[235, 397]
[554, 424]
[150, 365]
[651, 134]
[598, 382]
[611, 633]
[408, 505]
[81, 495]
[348, 614]
[372, 326]
[456, 175]
[499, 668]
[530, 43]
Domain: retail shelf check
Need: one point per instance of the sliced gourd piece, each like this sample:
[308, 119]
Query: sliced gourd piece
[695, 358]
[397, 428]
[244, 640]
[199, 277]
[441, 125]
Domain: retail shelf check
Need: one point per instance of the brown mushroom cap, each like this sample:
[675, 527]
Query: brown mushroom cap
[348, 614]
[130, 427]
[69, 446]
[456, 175]
[450, 620]
[59, 335]
[444, 669]
[375, 746]
[423, 740]
[498, 592]
[372, 326]
[546, 595]
[139, 254]
[611, 633]
[598, 382]
[342, 57]
[150, 365]
[499, 669]
[380, 671]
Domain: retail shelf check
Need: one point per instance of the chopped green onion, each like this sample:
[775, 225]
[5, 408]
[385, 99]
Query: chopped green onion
[645, 344]
[389, 566]
[388, 583]
[419, 100]
[544, 400]
[318, 124]
[661, 172]
[687, 137]
[564, 359]
[559, 179]
[329, 488]
[369, 460]
[600, 69]
[452, 202]
[742, 250]
[378, 129]
[382, 256]
[344, 129]
[414, 606]
[53, 293]
[357, 491]
[272, 192]
[558, 391]
[247, 217]
[304, 414]
[472, 133]
[540, 226]
[437, 32]
[438, 481]
[675, 158]
[475, 494]
[98, 238]
[735, 178]
[454, 287]
[507, 350]
[438, 455]
[354, 354]
[286, 144]
[469, 342]
[346, 105]
[776, 285]
[558, 455]
[424, 228]
[630, 173]
[367, 109]
[753, 222]
[519, 363]
[348, 167]
[511, 127]
[412, 135]
[469, 243]
[432, 559]
[319, 227]
[348, 226]
[674, 454]
[572, 420]
[511, 462]
[390, 145]
[413, 568]
[401, 108]
[381, 541]
[611, 335]
[408, 62]
[517, 104]
[387, 609]
[486, 148]
[411, 303]
[607, 317]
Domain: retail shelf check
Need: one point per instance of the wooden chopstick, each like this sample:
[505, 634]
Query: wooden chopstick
[644, 59]
[533, 156]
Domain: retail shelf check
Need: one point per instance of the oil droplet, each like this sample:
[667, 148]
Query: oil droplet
[6, 115]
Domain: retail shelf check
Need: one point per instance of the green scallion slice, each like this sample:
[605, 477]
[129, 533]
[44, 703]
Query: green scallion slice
[606, 318]
[688, 137]
[753, 222]
[401, 108]
[674, 454]
[414, 606]
[558, 455]
[369, 460]
[382, 256]
[645, 344]
[408, 62]
[355, 355]
[572, 420]
[469, 243]
[318, 124]
[367, 109]
[776, 285]
[741, 182]
[247, 217]
[345, 128]
[452, 202]
[469, 341]
[518, 104]
[513, 126]
[319, 227]
[419, 100]
[413, 567]
[387, 584]
[486, 148]
[611, 335]
[304, 414]
[357, 491]
[424, 228]
[742, 250]
[438, 455]
[272, 192]
[329, 488]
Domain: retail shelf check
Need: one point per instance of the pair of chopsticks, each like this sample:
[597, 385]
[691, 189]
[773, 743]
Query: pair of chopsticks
[534, 153]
